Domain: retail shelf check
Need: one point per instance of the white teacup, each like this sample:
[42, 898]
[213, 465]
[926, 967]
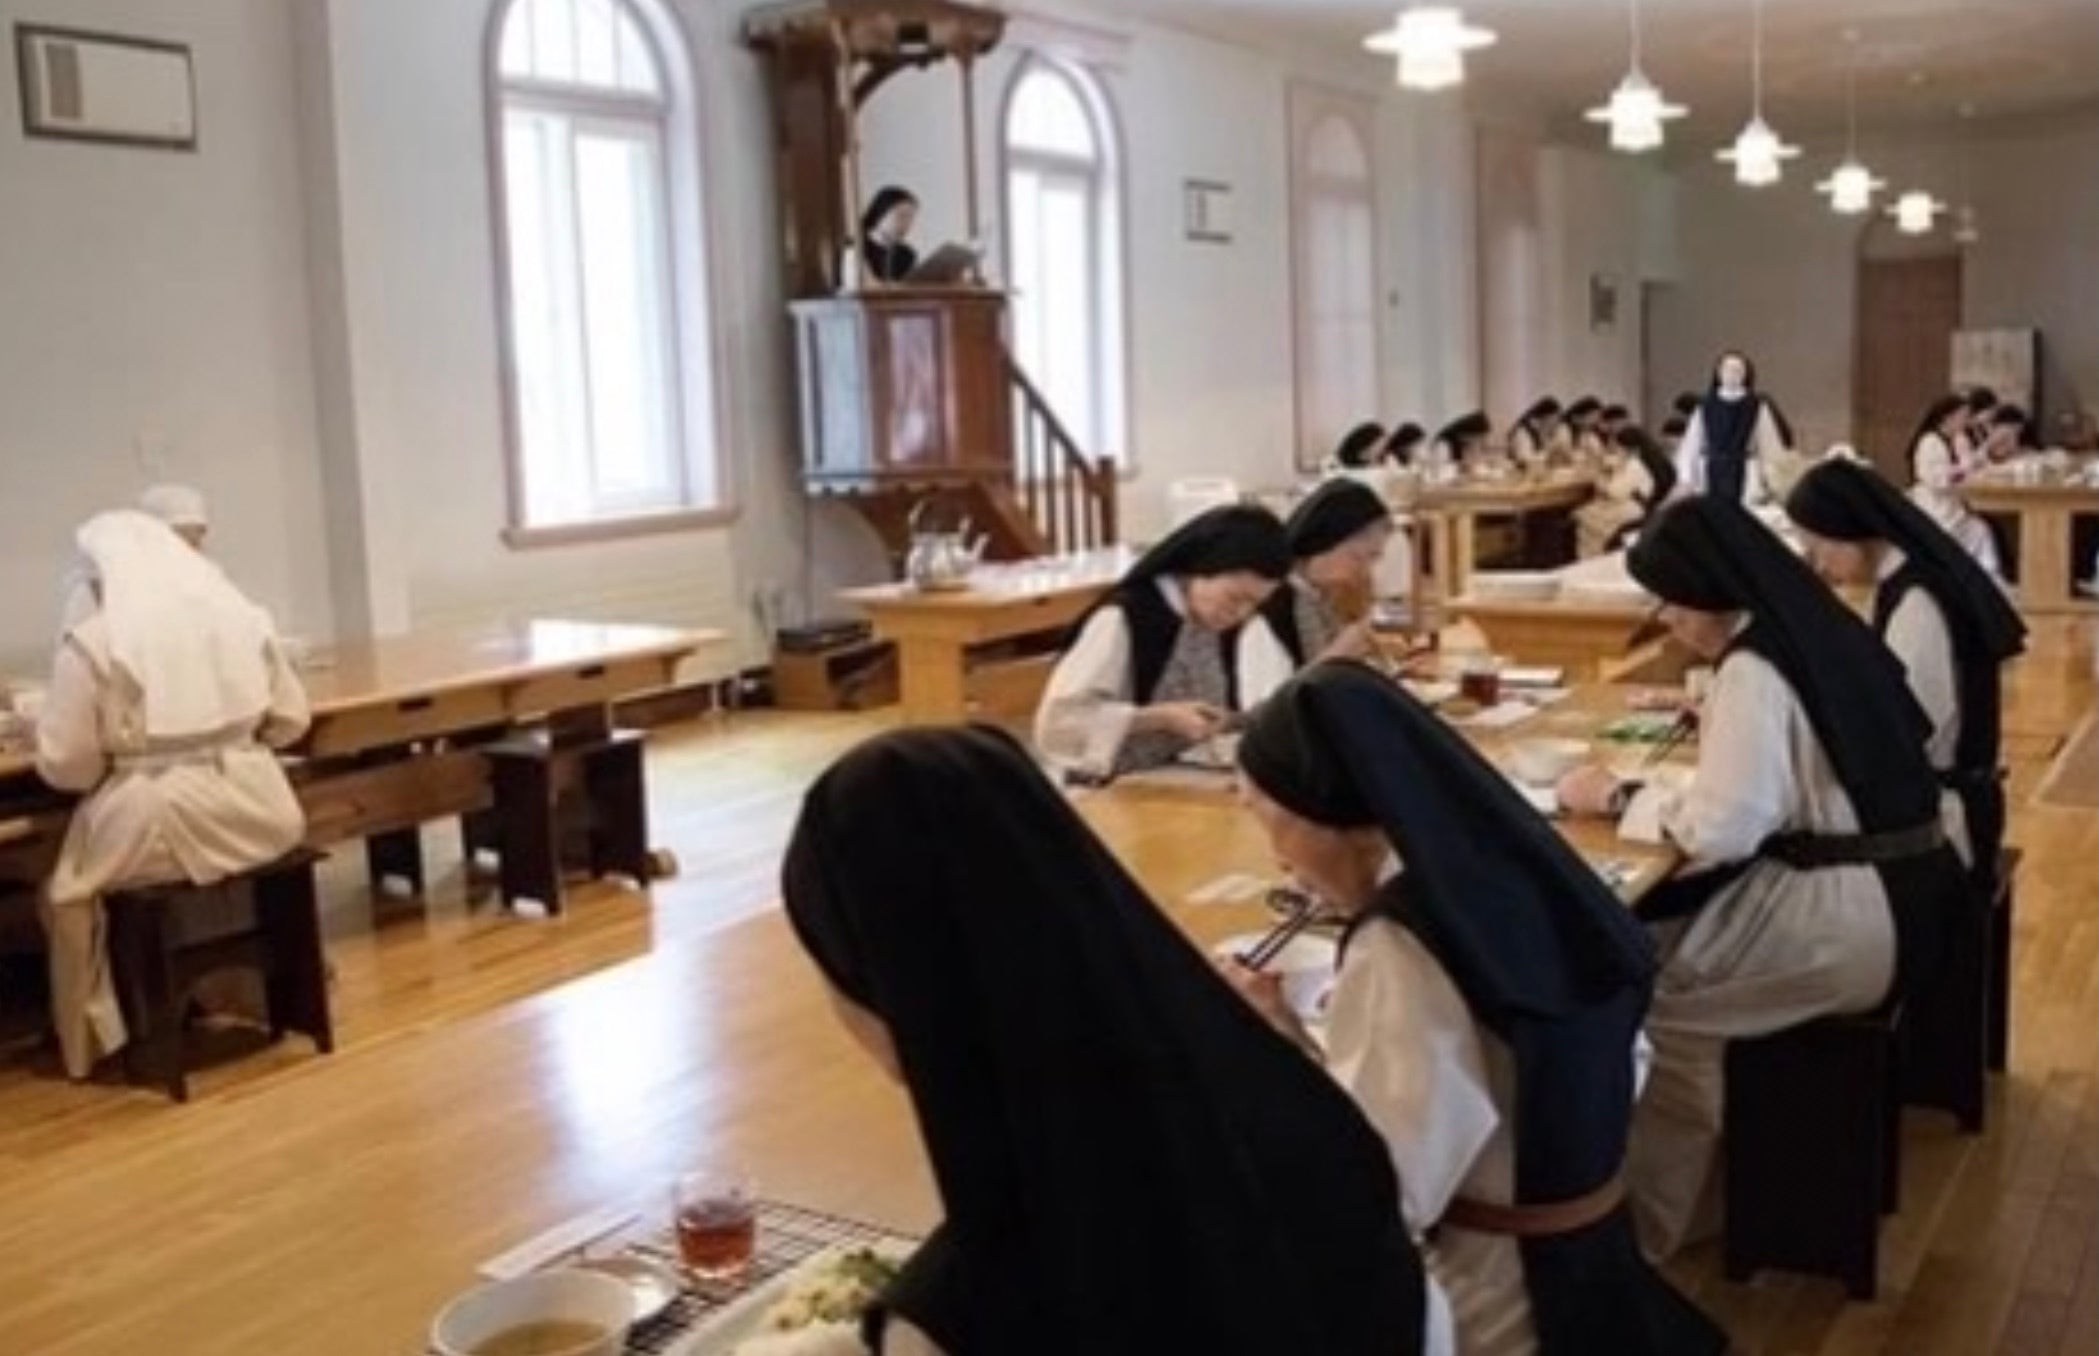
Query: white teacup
[561, 1295]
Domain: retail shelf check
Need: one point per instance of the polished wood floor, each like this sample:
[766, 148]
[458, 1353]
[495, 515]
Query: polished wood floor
[497, 1075]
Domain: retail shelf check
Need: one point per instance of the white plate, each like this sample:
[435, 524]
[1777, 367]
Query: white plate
[743, 1319]
[655, 1285]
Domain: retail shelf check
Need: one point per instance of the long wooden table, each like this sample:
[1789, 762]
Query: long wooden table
[400, 724]
[2045, 509]
[952, 647]
[1453, 512]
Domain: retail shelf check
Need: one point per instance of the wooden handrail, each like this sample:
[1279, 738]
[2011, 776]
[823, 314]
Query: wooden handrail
[1069, 495]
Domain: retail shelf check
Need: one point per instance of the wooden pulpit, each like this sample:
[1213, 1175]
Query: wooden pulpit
[903, 385]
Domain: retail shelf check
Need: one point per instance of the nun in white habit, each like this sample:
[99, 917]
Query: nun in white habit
[166, 698]
[1818, 877]
[1174, 650]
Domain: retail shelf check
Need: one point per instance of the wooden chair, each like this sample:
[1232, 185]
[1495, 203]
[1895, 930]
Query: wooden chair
[164, 938]
[1811, 1152]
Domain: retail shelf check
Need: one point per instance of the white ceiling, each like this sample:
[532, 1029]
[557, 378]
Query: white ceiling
[1918, 60]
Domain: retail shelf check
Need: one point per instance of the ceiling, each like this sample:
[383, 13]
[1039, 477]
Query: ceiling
[1918, 61]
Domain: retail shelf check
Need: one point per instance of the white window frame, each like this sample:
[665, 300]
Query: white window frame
[705, 493]
[1107, 246]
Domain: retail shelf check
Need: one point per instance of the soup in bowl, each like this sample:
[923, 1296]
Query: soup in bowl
[563, 1312]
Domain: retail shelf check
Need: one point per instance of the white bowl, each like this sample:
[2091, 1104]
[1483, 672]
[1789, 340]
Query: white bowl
[1515, 586]
[1306, 966]
[562, 1294]
[1544, 760]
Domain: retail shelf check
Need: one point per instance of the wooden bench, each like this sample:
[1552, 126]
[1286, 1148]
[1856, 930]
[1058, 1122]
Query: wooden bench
[1811, 1151]
[552, 790]
[164, 938]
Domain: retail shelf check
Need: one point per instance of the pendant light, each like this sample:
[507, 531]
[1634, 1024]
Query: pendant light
[1851, 185]
[1915, 211]
[1636, 110]
[1757, 150]
[1965, 231]
[1430, 42]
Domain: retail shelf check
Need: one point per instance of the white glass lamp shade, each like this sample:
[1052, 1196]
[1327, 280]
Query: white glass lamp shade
[1430, 42]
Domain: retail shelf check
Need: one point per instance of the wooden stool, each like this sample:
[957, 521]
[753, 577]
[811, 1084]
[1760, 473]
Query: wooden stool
[2000, 974]
[593, 787]
[1945, 1033]
[1809, 1140]
[164, 938]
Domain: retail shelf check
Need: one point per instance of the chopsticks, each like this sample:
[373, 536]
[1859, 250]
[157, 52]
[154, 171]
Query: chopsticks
[1304, 911]
[1680, 729]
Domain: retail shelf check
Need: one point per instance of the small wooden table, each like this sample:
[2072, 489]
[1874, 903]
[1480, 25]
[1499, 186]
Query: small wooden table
[402, 724]
[2044, 509]
[1579, 636]
[1453, 512]
[946, 661]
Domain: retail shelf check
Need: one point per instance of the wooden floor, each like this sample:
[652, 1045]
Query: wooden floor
[496, 1076]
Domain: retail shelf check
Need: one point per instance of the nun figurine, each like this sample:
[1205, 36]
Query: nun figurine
[1817, 878]
[1129, 1161]
[1735, 438]
[1338, 537]
[885, 230]
[1936, 473]
[1942, 616]
[1159, 665]
[1485, 1015]
[1637, 476]
[1462, 443]
[168, 692]
[1358, 448]
[1531, 438]
[1404, 445]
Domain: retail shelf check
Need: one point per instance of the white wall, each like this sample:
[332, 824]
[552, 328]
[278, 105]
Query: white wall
[1773, 271]
[304, 314]
[1591, 209]
[1211, 370]
[154, 321]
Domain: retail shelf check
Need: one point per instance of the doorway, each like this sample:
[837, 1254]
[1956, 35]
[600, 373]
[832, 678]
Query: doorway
[1902, 345]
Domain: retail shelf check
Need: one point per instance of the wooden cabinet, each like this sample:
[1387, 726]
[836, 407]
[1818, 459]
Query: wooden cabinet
[903, 385]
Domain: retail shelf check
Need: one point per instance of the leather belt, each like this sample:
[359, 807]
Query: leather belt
[1809, 851]
[1536, 1221]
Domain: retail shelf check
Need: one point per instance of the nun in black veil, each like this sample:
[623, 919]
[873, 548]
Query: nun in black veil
[1818, 878]
[1736, 439]
[1130, 1162]
[1338, 535]
[1485, 1016]
[1178, 645]
[1940, 614]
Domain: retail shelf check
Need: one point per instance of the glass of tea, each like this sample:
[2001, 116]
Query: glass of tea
[716, 1217]
[1479, 681]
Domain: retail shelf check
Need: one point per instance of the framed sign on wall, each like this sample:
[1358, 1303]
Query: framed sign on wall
[1207, 211]
[125, 91]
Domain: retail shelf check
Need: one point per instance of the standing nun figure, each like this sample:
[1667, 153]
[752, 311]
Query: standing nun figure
[1735, 438]
[1177, 645]
[1942, 616]
[1338, 537]
[1818, 878]
[1129, 1161]
[1489, 1000]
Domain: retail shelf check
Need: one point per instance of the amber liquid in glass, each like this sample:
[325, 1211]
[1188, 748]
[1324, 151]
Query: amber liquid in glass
[717, 1238]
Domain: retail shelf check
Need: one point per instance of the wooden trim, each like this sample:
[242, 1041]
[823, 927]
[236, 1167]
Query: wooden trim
[617, 529]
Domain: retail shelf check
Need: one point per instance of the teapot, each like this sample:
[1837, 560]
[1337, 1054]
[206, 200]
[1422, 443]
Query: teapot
[940, 561]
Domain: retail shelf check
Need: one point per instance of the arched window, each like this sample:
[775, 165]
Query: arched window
[1063, 239]
[602, 288]
[1336, 303]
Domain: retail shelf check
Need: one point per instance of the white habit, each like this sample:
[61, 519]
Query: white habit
[162, 701]
[1773, 948]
